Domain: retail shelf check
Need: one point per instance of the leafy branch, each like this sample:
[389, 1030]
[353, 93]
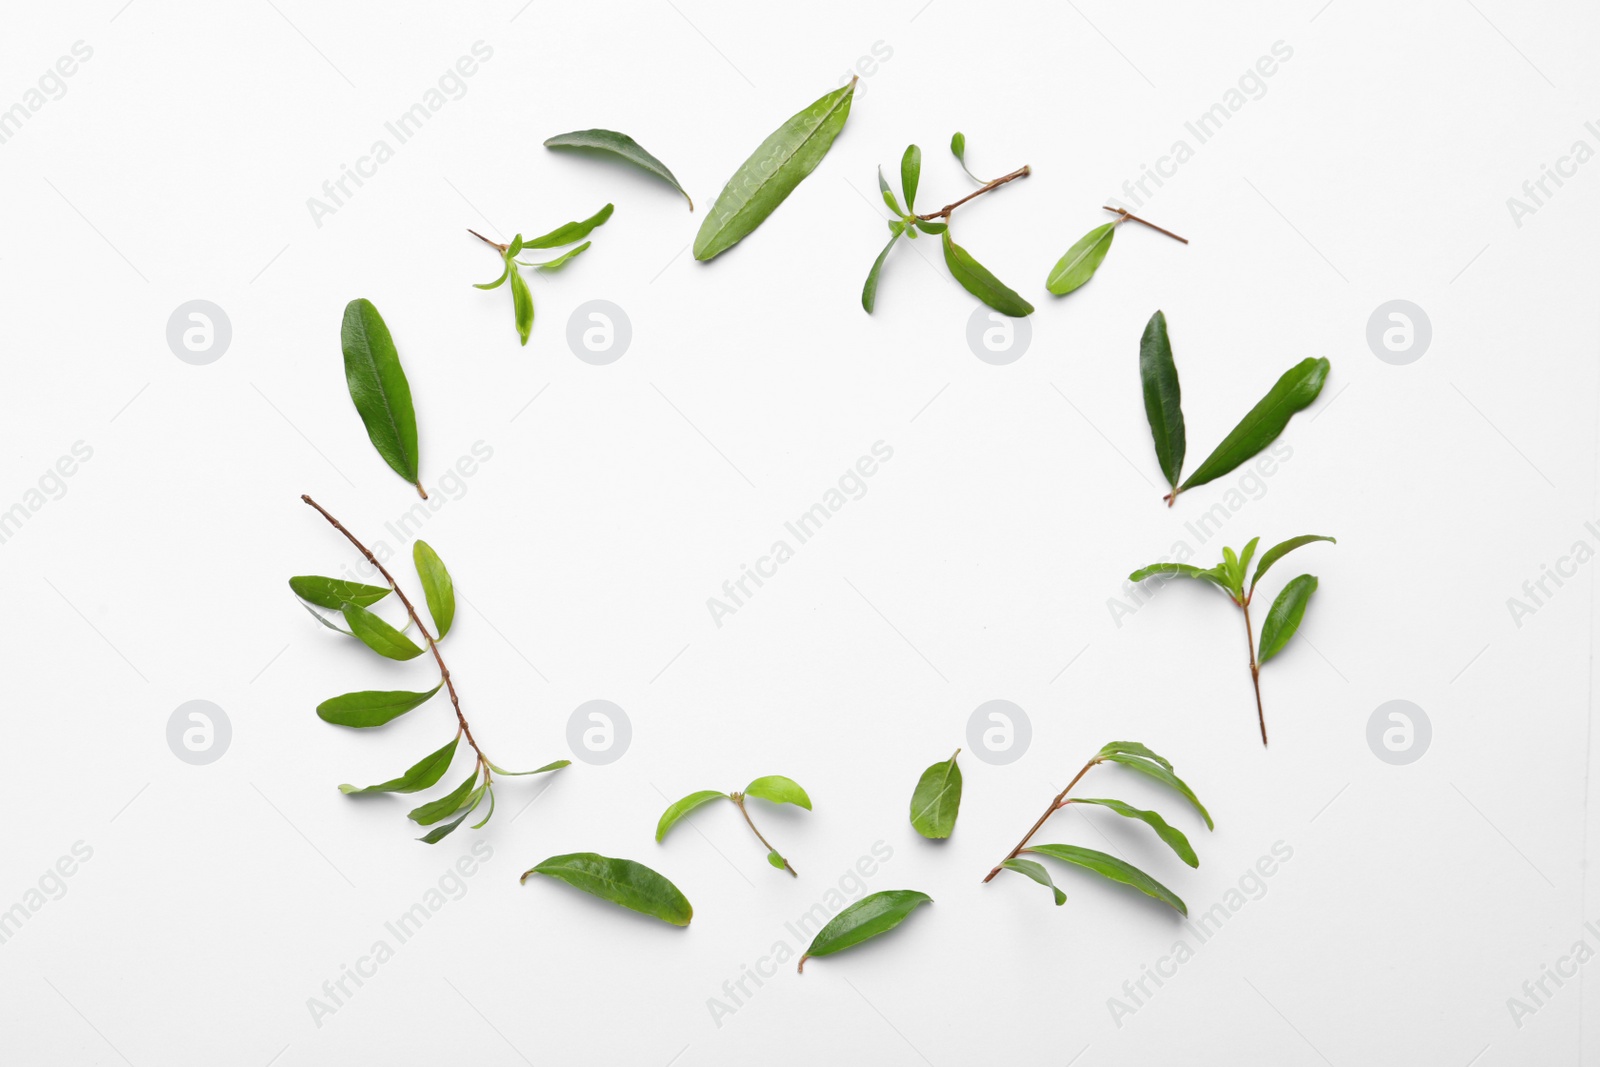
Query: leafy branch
[1283, 620]
[1137, 757]
[1080, 262]
[774, 788]
[521, 296]
[369, 708]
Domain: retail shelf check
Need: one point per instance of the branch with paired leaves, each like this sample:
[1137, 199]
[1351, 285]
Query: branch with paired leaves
[774, 787]
[1084, 258]
[1284, 618]
[369, 708]
[1136, 757]
[521, 296]
[974, 277]
[1163, 407]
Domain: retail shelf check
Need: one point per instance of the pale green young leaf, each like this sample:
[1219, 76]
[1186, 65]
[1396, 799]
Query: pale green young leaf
[679, 808]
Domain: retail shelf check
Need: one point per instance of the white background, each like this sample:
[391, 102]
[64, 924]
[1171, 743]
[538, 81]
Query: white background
[1376, 166]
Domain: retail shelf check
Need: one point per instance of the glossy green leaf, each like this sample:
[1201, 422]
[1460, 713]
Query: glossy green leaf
[335, 593]
[504, 274]
[378, 635]
[568, 232]
[1163, 400]
[1174, 839]
[443, 830]
[1081, 260]
[779, 790]
[936, 801]
[437, 587]
[550, 266]
[777, 861]
[679, 808]
[1292, 393]
[1284, 618]
[1114, 869]
[621, 145]
[888, 194]
[1283, 548]
[522, 304]
[371, 707]
[435, 810]
[874, 914]
[379, 388]
[932, 228]
[772, 172]
[554, 766]
[869, 291]
[1035, 870]
[910, 175]
[1162, 772]
[976, 279]
[1181, 570]
[420, 775]
[624, 882]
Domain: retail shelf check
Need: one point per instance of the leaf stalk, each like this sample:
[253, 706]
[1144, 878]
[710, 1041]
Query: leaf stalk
[944, 212]
[738, 799]
[1056, 805]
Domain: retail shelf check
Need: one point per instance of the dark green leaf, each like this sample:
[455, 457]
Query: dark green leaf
[522, 305]
[1292, 393]
[447, 805]
[869, 291]
[1081, 260]
[335, 593]
[772, 172]
[379, 388]
[910, 175]
[1163, 400]
[550, 266]
[443, 830]
[436, 585]
[1162, 773]
[779, 790]
[1035, 870]
[976, 279]
[625, 882]
[888, 194]
[419, 776]
[874, 914]
[618, 144]
[568, 232]
[1133, 748]
[1284, 618]
[679, 808]
[936, 801]
[1114, 869]
[555, 766]
[371, 707]
[378, 635]
[1172, 837]
[1281, 549]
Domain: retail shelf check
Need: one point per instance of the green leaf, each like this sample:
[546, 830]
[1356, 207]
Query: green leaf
[498, 282]
[1114, 869]
[1283, 548]
[371, 707]
[874, 914]
[437, 587]
[378, 635]
[777, 861]
[1035, 870]
[1244, 559]
[568, 232]
[379, 388]
[772, 172]
[1162, 772]
[1174, 839]
[621, 145]
[976, 279]
[439, 833]
[936, 801]
[779, 790]
[679, 808]
[958, 148]
[869, 291]
[1163, 400]
[419, 776]
[555, 766]
[481, 823]
[625, 882]
[515, 246]
[550, 266]
[447, 805]
[910, 175]
[888, 195]
[522, 304]
[932, 228]
[1133, 748]
[335, 592]
[1181, 570]
[1284, 618]
[1292, 393]
[1081, 260]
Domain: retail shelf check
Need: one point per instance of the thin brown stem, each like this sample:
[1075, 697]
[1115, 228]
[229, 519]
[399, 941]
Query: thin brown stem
[738, 798]
[433, 646]
[1255, 669]
[1130, 216]
[485, 240]
[944, 212]
[1056, 805]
